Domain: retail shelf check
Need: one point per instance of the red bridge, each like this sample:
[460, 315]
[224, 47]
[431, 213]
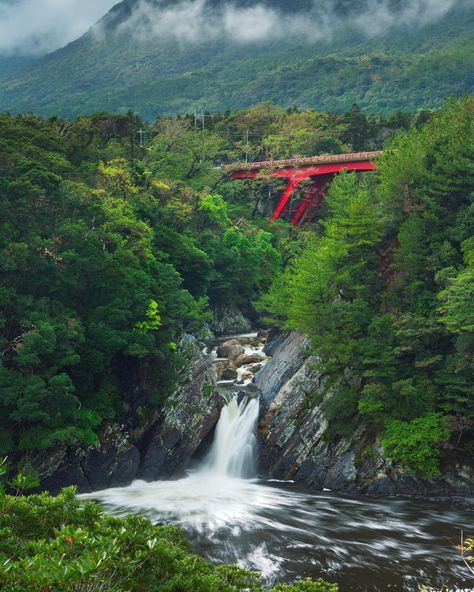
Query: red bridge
[319, 169]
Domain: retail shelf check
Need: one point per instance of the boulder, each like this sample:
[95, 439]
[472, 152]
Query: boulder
[229, 373]
[230, 349]
[226, 347]
[247, 359]
[255, 368]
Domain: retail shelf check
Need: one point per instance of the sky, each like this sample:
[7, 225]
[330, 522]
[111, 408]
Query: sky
[36, 27]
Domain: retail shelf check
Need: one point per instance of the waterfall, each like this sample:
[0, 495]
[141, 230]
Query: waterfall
[232, 452]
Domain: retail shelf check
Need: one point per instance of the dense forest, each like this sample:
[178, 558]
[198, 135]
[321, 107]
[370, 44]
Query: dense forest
[117, 238]
[110, 252]
[386, 291]
[124, 63]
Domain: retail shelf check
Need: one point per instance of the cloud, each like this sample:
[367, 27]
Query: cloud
[196, 20]
[35, 27]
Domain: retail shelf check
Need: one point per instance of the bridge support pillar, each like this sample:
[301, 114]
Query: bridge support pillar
[293, 183]
[311, 202]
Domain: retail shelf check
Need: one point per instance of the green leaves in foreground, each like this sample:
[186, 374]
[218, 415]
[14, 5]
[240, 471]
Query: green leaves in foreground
[58, 544]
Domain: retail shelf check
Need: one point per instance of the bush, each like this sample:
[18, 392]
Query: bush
[58, 544]
[413, 443]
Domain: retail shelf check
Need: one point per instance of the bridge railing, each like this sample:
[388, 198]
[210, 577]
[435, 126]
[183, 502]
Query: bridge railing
[325, 158]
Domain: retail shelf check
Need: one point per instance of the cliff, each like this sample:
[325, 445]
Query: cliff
[296, 440]
[161, 447]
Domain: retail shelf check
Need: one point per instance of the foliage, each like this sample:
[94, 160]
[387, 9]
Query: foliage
[386, 291]
[406, 67]
[411, 443]
[58, 543]
[106, 260]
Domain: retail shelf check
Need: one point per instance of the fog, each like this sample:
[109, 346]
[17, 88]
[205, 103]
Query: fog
[194, 20]
[36, 27]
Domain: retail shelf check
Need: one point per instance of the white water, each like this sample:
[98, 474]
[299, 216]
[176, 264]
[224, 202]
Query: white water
[233, 448]
[219, 493]
[286, 533]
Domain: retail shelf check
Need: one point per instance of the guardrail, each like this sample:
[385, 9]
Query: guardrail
[325, 158]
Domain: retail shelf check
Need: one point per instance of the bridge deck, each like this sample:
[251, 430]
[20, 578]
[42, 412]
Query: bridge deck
[299, 162]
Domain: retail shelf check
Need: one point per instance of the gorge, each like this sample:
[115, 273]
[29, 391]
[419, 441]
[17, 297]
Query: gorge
[292, 450]
[284, 530]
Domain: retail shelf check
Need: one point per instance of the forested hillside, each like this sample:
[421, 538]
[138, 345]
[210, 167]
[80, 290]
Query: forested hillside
[117, 238]
[110, 252]
[385, 289]
[156, 63]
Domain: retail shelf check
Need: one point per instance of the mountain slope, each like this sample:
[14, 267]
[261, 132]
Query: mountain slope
[116, 68]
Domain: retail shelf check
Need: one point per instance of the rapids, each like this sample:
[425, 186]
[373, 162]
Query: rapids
[286, 532]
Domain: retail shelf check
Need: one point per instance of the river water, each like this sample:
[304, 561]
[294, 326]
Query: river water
[286, 532]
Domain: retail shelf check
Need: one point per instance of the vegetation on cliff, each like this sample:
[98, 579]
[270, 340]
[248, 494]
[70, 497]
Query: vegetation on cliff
[104, 265]
[385, 290]
[110, 251]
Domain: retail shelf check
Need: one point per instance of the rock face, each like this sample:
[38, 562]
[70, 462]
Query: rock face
[295, 443]
[161, 448]
[228, 320]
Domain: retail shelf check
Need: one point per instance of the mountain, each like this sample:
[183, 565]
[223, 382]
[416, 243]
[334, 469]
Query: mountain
[11, 66]
[155, 60]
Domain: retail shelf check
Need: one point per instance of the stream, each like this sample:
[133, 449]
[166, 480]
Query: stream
[287, 533]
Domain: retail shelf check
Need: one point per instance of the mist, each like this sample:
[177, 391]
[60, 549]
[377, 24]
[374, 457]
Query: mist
[36, 27]
[195, 20]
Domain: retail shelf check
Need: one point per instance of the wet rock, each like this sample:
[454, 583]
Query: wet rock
[170, 444]
[229, 320]
[295, 443]
[235, 351]
[289, 352]
[255, 368]
[162, 447]
[247, 359]
[230, 349]
[220, 366]
[229, 374]
[113, 463]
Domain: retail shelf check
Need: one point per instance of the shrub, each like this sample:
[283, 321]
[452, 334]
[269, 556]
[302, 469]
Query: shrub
[414, 443]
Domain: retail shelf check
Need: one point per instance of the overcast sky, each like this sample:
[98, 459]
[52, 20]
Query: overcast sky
[35, 27]
[39, 26]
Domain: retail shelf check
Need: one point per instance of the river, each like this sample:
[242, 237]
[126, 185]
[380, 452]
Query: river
[286, 532]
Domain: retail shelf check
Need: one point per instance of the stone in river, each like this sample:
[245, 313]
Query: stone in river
[229, 374]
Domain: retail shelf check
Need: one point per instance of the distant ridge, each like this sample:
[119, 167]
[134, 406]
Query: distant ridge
[112, 69]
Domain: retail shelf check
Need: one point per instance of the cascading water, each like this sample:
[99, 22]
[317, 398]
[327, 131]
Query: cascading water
[285, 533]
[232, 453]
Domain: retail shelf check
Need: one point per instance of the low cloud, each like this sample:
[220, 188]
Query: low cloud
[36, 27]
[195, 20]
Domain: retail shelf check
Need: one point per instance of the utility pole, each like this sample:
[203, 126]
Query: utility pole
[195, 120]
[131, 118]
[247, 147]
